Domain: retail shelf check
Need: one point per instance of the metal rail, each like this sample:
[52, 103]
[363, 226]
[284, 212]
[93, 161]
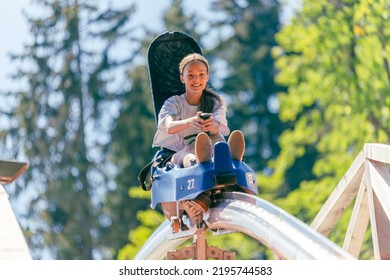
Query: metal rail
[279, 231]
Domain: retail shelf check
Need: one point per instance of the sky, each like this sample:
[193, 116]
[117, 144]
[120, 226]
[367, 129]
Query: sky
[12, 31]
[13, 25]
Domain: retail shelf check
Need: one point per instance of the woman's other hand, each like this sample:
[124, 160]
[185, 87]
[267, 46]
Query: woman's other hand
[210, 125]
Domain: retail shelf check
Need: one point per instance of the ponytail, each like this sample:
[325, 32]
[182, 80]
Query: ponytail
[207, 102]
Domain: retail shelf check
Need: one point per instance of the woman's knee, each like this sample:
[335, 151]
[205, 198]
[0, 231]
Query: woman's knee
[218, 137]
[178, 157]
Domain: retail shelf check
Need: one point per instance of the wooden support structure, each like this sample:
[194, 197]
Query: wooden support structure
[13, 246]
[199, 250]
[368, 182]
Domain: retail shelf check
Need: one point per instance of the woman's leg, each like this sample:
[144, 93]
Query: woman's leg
[201, 149]
[178, 157]
[218, 137]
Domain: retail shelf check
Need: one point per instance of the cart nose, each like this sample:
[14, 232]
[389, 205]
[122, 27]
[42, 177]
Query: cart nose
[223, 165]
[222, 158]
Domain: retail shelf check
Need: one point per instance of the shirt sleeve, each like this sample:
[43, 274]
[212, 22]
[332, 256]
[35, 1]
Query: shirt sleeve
[219, 114]
[170, 108]
[162, 138]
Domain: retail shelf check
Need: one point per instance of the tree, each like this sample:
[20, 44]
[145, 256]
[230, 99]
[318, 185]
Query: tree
[175, 18]
[334, 59]
[244, 49]
[131, 149]
[64, 117]
[148, 221]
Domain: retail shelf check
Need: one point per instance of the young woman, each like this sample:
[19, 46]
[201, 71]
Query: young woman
[181, 127]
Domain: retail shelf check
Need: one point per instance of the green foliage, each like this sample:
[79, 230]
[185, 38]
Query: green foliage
[244, 246]
[333, 58]
[151, 219]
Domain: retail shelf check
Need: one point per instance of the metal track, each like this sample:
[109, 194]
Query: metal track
[288, 237]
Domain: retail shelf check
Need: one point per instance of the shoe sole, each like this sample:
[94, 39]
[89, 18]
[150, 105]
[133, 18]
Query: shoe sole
[203, 147]
[236, 144]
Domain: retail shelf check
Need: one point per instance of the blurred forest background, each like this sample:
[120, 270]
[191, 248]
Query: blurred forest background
[307, 93]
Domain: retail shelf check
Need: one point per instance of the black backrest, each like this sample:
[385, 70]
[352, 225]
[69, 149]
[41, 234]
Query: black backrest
[164, 55]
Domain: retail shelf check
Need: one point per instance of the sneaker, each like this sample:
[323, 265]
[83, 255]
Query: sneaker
[189, 160]
[203, 147]
[236, 144]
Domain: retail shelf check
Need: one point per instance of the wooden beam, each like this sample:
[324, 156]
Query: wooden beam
[380, 182]
[377, 152]
[383, 229]
[368, 179]
[345, 191]
[358, 222]
[374, 229]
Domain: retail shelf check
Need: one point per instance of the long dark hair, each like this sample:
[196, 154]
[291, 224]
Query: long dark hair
[208, 99]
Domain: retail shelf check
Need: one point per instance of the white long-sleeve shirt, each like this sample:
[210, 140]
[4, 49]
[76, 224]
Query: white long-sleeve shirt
[178, 106]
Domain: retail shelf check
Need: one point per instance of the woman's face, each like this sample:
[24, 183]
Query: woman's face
[195, 77]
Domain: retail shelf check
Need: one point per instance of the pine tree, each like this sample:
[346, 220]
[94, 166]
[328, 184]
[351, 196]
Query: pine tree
[64, 117]
[131, 149]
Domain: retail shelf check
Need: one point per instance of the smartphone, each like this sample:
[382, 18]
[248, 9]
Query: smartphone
[205, 116]
[10, 170]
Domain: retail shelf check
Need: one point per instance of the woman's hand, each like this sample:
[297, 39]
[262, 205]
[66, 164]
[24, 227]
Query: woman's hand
[174, 126]
[204, 125]
[210, 125]
[196, 121]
